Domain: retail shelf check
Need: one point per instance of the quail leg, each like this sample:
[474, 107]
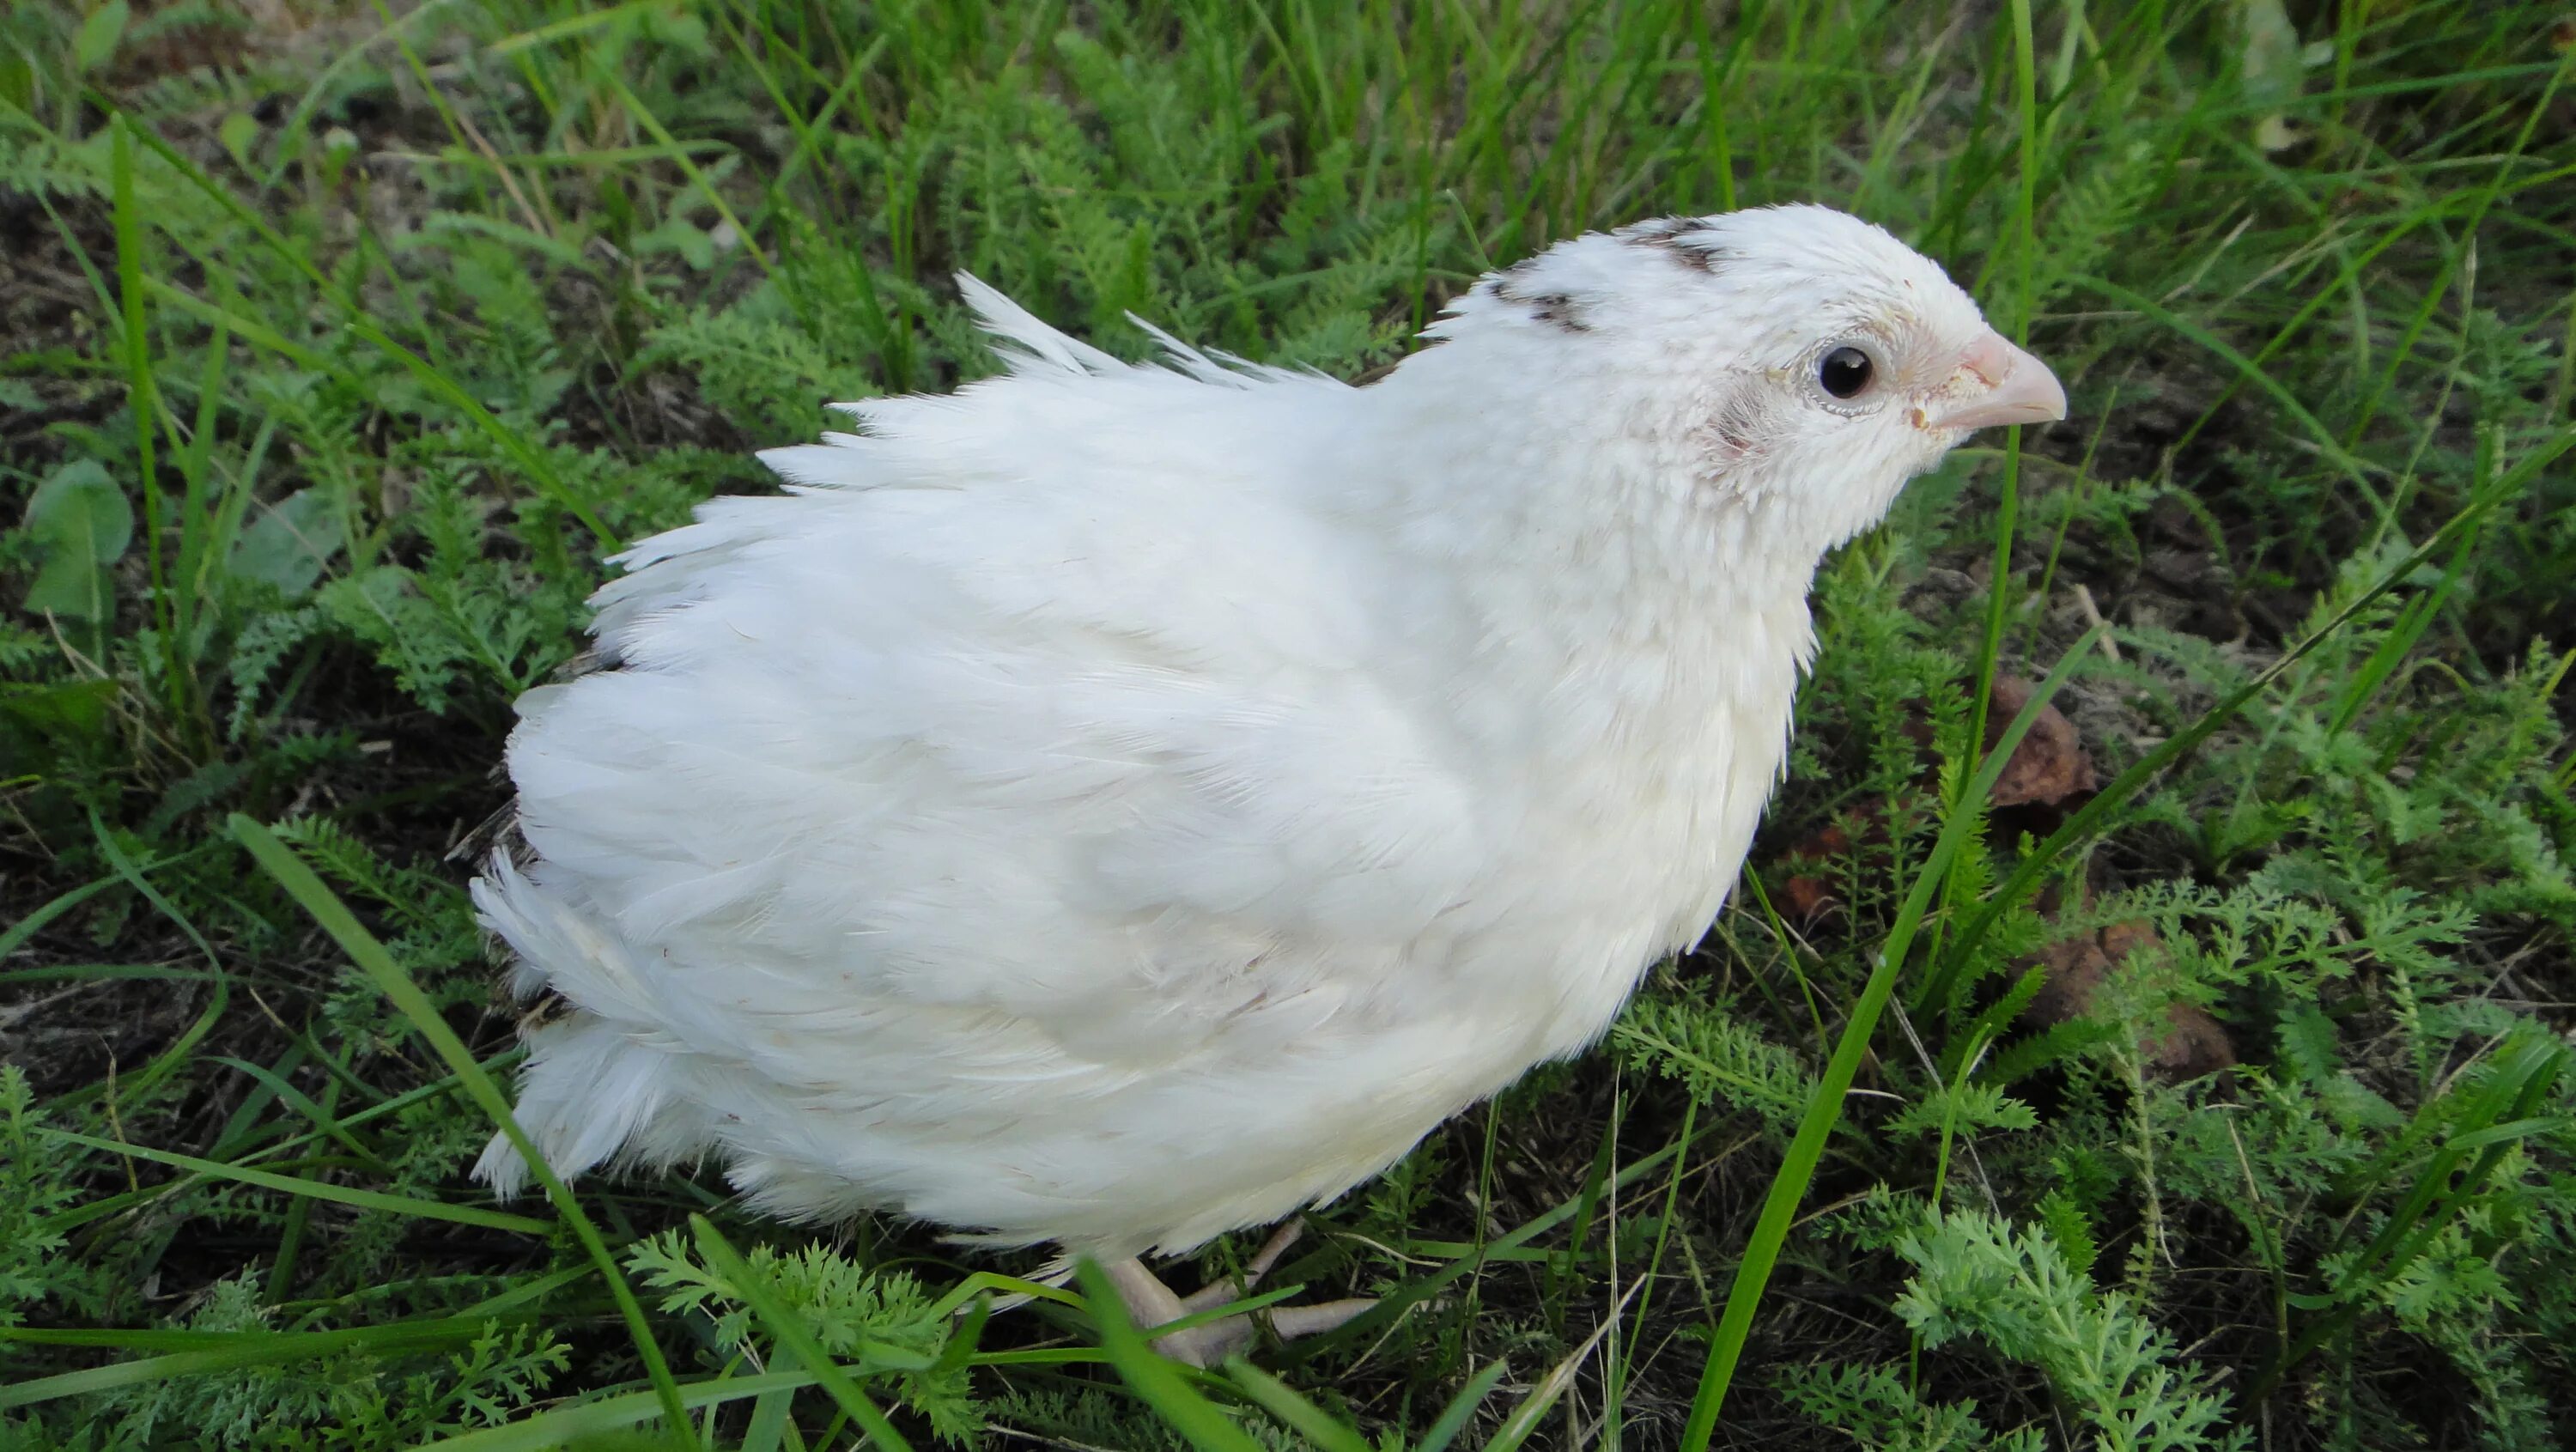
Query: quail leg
[1152, 1304]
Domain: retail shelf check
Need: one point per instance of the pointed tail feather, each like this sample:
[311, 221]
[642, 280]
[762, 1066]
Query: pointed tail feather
[1033, 343]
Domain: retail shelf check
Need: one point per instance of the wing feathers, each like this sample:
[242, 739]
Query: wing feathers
[1050, 736]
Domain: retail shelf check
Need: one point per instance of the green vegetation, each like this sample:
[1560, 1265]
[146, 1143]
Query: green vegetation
[338, 345]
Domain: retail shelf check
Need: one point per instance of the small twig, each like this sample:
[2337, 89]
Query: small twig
[2093, 616]
[1559, 1377]
[12, 1013]
[501, 169]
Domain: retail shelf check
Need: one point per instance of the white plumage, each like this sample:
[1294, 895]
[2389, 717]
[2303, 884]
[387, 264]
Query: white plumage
[1112, 805]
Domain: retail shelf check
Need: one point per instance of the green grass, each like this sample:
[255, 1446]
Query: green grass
[336, 352]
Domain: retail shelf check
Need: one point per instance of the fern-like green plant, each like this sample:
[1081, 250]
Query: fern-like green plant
[882, 1319]
[36, 1183]
[1979, 1278]
[1875, 1407]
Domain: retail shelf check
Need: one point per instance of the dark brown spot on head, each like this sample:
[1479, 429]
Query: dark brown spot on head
[1557, 308]
[1665, 234]
[1659, 229]
[1548, 307]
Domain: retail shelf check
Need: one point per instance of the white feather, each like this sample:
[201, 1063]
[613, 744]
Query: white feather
[1115, 804]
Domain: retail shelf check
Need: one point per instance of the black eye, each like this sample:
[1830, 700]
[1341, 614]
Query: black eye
[1845, 372]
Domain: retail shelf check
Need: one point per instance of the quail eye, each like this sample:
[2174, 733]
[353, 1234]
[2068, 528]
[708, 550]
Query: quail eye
[1844, 372]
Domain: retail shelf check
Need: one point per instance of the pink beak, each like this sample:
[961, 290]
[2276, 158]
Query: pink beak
[2019, 389]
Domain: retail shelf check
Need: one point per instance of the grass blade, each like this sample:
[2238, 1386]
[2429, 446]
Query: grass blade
[2100, 813]
[334, 916]
[1299, 1415]
[338, 1194]
[1798, 1167]
[791, 1334]
[1454, 1417]
[1154, 1377]
[199, 1353]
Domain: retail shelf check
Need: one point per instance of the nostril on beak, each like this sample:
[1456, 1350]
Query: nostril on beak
[1990, 358]
[2018, 388]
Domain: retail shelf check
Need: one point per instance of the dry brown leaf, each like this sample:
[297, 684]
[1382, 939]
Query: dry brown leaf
[2050, 764]
[1805, 894]
[2193, 1044]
